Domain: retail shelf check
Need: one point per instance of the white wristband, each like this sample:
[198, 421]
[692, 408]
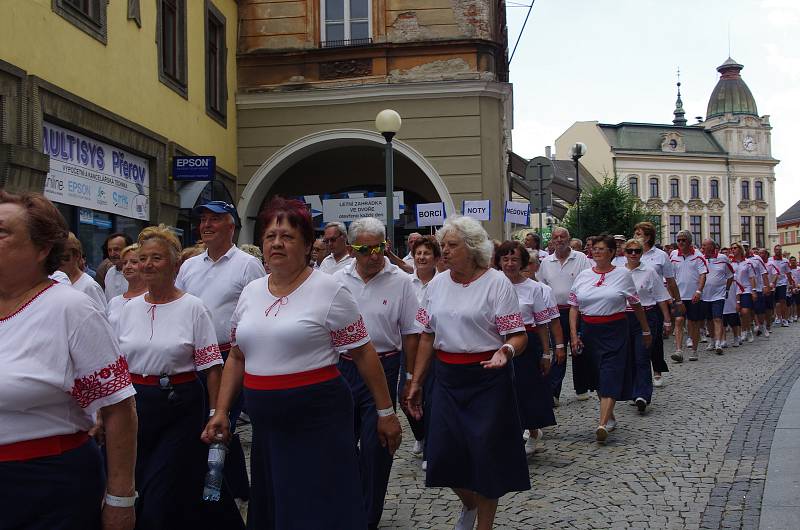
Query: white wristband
[211, 412]
[121, 502]
[645, 333]
[409, 376]
[559, 346]
[382, 413]
[510, 347]
[548, 356]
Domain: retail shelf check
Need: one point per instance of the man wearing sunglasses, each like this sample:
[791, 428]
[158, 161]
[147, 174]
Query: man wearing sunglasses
[335, 237]
[388, 303]
[690, 275]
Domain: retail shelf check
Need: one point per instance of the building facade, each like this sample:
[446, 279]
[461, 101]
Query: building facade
[715, 178]
[789, 230]
[96, 98]
[313, 76]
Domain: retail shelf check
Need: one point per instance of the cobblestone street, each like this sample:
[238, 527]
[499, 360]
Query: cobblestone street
[697, 459]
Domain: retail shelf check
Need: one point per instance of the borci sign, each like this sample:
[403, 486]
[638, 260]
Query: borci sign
[430, 214]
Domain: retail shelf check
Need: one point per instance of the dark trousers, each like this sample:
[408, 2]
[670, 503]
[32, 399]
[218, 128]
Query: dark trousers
[375, 461]
[657, 350]
[581, 367]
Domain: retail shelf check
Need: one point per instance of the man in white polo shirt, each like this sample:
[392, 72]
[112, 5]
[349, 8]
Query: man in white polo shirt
[114, 282]
[388, 303]
[761, 290]
[716, 289]
[217, 277]
[559, 270]
[335, 236]
[690, 275]
[780, 269]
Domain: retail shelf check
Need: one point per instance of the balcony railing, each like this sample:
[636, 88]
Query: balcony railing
[346, 43]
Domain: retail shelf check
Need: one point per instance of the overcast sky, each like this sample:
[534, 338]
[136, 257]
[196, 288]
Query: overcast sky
[615, 60]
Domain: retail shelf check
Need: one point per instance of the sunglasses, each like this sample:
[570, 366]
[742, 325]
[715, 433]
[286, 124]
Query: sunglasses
[330, 240]
[633, 251]
[369, 249]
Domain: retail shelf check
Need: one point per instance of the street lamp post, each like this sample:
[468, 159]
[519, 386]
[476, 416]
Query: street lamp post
[388, 122]
[576, 152]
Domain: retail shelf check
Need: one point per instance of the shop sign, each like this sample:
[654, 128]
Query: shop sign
[91, 174]
[480, 210]
[193, 167]
[430, 214]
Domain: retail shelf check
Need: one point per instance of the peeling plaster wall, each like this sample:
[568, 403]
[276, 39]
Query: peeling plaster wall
[422, 20]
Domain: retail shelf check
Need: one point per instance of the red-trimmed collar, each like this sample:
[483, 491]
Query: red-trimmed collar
[691, 251]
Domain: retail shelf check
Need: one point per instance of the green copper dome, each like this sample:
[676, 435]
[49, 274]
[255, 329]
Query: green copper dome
[731, 94]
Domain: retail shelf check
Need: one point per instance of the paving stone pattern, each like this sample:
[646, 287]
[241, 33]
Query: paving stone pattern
[697, 459]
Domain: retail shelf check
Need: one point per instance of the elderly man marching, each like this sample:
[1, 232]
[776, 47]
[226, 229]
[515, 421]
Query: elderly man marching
[335, 237]
[388, 303]
[217, 277]
[716, 290]
[690, 272]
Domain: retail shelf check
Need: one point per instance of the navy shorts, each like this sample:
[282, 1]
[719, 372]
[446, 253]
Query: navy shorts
[712, 310]
[769, 300]
[694, 311]
[732, 320]
[746, 301]
[758, 304]
[780, 293]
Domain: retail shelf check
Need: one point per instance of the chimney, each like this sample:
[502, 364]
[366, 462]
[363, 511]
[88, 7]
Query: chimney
[547, 152]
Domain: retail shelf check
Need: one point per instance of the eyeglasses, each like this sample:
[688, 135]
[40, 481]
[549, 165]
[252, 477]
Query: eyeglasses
[682, 240]
[369, 249]
[164, 384]
[633, 251]
[330, 240]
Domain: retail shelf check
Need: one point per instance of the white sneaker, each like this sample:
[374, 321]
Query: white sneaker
[765, 332]
[611, 425]
[777, 321]
[785, 324]
[583, 397]
[736, 342]
[466, 521]
[689, 343]
[710, 346]
[601, 433]
[750, 337]
[703, 337]
[677, 356]
[693, 355]
[533, 440]
[724, 343]
[424, 465]
[417, 450]
[658, 381]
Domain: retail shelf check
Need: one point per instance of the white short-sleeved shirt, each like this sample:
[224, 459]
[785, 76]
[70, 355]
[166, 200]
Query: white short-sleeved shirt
[619, 261]
[329, 265]
[116, 284]
[472, 318]
[560, 278]
[780, 267]
[687, 271]
[303, 331]
[60, 277]
[61, 364]
[536, 302]
[796, 275]
[171, 338]
[649, 286]
[658, 260]
[719, 271]
[730, 300]
[603, 294]
[408, 259]
[219, 283]
[92, 289]
[419, 287]
[114, 311]
[743, 272]
[759, 270]
[387, 302]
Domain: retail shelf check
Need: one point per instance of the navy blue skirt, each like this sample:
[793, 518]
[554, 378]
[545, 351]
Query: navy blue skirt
[61, 492]
[534, 397]
[303, 464]
[474, 440]
[606, 345]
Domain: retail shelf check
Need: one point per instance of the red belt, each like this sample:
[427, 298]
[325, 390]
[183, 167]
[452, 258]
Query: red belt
[463, 358]
[41, 447]
[603, 318]
[284, 381]
[384, 355]
[225, 347]
[155, 380]
[530, 327]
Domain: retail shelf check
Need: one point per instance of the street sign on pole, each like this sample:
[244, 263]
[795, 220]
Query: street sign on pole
[541, 203]
[539, 174]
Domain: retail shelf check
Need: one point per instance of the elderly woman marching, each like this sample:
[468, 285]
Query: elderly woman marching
[64, 366]
[287, 331]
[167, 336]
[532, 366]
[136, 286]
[653, 297]
[599, 297]
[471, 317]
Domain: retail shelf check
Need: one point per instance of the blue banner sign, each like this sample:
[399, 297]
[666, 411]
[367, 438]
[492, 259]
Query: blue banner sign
[193, 167]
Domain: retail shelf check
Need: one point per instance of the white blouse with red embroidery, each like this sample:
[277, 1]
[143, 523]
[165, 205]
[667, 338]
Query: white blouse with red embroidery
[171, 338]
[536, 302]
[603, 294]
[470, 318]
[299, 332]
[61, 364]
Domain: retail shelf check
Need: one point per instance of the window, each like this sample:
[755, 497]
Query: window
[345, 22]
[760, 232]
[674, 227]
[714, 188]
[715, 223]
[758, 189]
[633, 182]
[216, 78]
[781, 238]
[694, 188]
[695, 227]
[654, 193]
[87, 15]
[745, 227]
[674, 189]
[171, 40]
[745, 190]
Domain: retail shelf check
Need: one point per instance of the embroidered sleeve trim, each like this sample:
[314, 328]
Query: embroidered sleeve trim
[349, 334]
[508, 323]
[554, 312]
[101, 383]
[573, 299]
[633, 299]
[207, 355]
[423, 318]
[543, 316]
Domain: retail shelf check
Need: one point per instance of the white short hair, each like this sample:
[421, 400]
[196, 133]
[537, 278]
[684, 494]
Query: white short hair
[474, 235]
[684, 233]
[338, 226]
[366, 225]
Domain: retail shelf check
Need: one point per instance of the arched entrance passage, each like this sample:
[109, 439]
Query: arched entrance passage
[335, 161]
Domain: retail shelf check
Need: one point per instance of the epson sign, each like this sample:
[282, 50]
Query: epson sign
[193, 167]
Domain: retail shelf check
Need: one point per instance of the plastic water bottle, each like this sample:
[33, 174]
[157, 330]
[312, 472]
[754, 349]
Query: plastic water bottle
[216, 463]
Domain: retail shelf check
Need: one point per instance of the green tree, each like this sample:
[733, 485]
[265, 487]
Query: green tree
[608, 208]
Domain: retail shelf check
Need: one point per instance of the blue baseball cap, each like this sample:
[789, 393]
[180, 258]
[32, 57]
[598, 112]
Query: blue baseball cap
[216, 207]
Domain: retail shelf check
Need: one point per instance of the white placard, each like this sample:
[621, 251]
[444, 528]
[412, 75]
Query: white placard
[92, 174]
[518, 213]
[346, 210]
[430, 214]
[480, 210]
